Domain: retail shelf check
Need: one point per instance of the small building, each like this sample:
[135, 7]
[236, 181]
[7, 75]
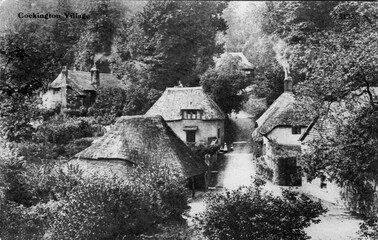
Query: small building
[277, 132]
[238, 61]
[142, 140]
[191, 114]
[74, 89]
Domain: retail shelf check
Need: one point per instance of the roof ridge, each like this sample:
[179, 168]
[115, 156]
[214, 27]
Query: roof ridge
[183, 88]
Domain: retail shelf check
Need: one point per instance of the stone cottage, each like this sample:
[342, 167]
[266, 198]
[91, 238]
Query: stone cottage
[277, 133]
[191, 114]
[77, 88]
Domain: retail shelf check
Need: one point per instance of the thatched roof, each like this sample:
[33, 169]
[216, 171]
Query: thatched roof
[146, 139]
[173, 100]
[243, 62]
[280, 113]
[286, 151]
[81, 81]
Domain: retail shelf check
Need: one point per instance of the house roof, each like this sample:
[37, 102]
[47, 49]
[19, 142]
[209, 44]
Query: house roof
[173, 100]
[144, 139]
[243, 61]
[286, 151]
[81, 81]
[280, 113]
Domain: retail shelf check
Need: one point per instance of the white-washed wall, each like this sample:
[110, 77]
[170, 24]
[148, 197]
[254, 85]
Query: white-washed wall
[283, 135]
[51, 99]
[206, 129]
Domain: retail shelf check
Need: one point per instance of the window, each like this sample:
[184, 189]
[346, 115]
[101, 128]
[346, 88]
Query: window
[219, 133]
[191, 136]
[55, 91]
[191, 114]
[296, 130]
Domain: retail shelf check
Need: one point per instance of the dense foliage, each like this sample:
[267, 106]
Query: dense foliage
[225, 84]
[177, 39]
[59, 202]
[251, 213]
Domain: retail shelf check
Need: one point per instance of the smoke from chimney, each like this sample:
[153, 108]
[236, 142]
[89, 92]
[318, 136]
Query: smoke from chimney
[281, 49]
[97, 57]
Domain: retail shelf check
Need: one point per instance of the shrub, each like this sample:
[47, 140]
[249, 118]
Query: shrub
[62, 131]
[57, 202]
[250, 213]
[369, 229]
[202, 150]
[165, 190]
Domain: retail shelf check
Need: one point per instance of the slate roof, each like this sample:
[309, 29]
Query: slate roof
[173, 100]
[146, 139]
[81, 81]
[280, 113]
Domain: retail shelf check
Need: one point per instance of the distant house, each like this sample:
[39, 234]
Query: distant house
[137, 140]
[191, 114]
[81, 87]
[241, 63]
[277, 131]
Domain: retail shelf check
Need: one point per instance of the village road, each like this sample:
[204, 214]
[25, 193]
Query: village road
[238, 170]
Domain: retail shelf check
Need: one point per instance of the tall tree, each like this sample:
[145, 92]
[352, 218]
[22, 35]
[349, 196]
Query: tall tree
[340, 67]
[177, 39]
[98, 34]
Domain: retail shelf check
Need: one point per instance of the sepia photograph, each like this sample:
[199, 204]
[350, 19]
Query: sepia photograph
[188, 120]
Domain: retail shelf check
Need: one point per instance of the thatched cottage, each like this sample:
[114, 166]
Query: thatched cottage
[277, 131]
[81, 87]
[191, 114]
[241, 63]
[133, 140]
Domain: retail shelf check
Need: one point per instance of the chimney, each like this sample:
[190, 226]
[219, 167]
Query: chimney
[288, 84]
[95, 76]
[65, 71]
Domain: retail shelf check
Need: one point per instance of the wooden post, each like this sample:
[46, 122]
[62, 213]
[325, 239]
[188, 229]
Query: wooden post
[193, 188]
[64, 91]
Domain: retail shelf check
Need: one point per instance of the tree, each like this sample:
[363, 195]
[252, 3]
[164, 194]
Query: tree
[343, 70]
[176, 38]
[251, 213]
[98, 34]
[226, 83]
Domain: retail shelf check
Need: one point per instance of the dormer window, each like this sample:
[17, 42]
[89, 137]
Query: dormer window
[191, 114]
[296, 130]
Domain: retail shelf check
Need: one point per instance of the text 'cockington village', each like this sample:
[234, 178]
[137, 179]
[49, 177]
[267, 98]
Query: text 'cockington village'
[50, 15]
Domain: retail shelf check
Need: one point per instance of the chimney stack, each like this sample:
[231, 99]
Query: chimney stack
[95, 76]
[288, 84]
[65, 71]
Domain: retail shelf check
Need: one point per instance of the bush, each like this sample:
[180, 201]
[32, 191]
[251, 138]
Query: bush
[57, 202]
[62, 131]
[202, 150]
[250, 213]
[369, 229]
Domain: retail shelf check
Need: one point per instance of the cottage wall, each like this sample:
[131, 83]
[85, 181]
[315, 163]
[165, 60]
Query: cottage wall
[281, 166]
[283, 135]
[206, 129]
[52, 98]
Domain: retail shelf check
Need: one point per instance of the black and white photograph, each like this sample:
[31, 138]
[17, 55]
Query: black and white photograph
[188, 120]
